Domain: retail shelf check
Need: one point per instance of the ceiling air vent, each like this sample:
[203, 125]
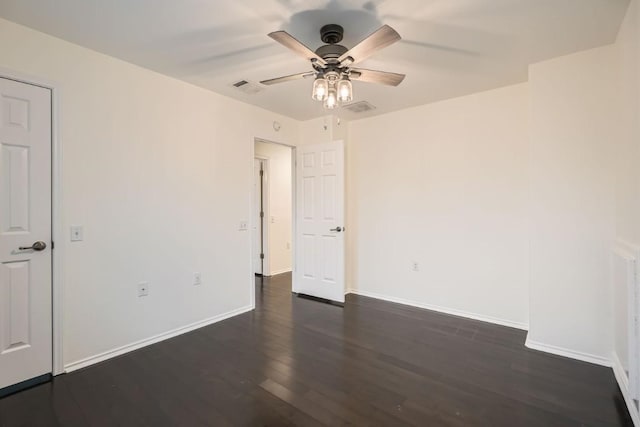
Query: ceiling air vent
[359, 107]
[248, 87]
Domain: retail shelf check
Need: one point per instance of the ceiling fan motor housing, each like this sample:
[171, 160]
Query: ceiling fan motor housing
[331, 33]
[330, 52]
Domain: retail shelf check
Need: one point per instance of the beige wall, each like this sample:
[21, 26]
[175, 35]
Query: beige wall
[628, 173]
[574, 135]
[444, 185]
[159, 174]
[627, 182]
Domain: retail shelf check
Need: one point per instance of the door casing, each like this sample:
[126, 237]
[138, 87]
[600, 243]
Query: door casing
[57, 234]
[252, 289]
[266, 262]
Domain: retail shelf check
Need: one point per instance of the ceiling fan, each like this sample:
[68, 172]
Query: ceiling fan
[332, 63]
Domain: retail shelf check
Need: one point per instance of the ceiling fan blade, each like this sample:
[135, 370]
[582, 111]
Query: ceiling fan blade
[381, 38]
[373, 76]
[292, 43]
[288, 78]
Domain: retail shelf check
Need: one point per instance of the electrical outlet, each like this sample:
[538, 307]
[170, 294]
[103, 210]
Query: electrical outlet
[243, 226]
[143, 289]
[415, 266]
[197, 279]
[77, 233]
[273, 220]
[288, 245]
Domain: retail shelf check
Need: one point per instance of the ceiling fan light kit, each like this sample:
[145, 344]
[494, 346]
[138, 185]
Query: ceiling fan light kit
[332, 63]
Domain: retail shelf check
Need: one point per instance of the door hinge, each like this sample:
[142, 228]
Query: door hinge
[261, 214]
[261, 172]
[261, 256]
[53, 245]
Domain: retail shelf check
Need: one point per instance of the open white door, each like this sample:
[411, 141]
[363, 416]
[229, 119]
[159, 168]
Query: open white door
[319, 262]
[25, 233]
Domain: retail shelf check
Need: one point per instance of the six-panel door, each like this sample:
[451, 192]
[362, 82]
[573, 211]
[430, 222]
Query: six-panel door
[25, 218]
[319, 269]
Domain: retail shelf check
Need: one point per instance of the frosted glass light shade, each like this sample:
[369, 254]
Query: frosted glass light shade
[320, 89]
[345, 91]
[332, 99]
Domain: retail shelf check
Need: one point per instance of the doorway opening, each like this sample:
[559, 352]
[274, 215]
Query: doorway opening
[272, 211]
[307, 232]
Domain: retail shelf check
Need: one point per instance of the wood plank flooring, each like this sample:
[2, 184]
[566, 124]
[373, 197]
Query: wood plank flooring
[299, 362]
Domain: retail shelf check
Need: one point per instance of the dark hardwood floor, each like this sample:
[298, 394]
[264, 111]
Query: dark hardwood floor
[300, 362]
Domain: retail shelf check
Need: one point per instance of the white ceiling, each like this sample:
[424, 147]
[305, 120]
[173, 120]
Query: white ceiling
[449, 47]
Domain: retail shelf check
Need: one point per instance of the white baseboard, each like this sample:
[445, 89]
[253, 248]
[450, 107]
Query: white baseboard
[623, 383]
[285, 270]
[565, 352]
[83, 363]
[440, 309]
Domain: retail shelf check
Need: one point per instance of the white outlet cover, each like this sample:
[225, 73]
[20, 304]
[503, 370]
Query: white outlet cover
[197, 279]
[143, 289]
[243, 225]
[77, 233]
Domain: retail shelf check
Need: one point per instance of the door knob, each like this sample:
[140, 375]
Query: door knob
[338, 229]
[37, 246]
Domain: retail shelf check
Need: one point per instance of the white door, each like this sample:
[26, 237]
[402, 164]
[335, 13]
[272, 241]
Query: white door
[257, 223]
[319, 269]
[25, 218]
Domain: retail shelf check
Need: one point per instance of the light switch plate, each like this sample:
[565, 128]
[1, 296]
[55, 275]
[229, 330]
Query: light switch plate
[143, 289]
[197, 279]
[77, 233]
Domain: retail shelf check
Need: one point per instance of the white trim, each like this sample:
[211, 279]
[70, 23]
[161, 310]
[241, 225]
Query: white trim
[624, 253]
[57, 255]
[565, 352]
[623, 383]
[282, 271]
[83, 363]
[445, 310]
[57, 236]
[252, 280]
[626, 250]
[294, 218]
[266, 208]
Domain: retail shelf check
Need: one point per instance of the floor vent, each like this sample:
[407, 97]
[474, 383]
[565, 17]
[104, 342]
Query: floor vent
[359, 107]
[248, 87]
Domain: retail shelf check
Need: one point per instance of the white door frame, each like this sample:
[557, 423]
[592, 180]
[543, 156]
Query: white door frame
[266, 223]
[252, 280]
[56, 210]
